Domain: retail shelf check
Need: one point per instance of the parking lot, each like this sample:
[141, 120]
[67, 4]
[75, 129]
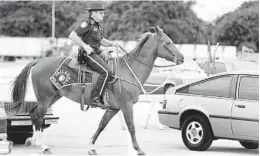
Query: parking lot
[71, 135]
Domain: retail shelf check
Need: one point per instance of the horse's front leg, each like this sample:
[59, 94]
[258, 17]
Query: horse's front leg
[109, 114]
[128, 114]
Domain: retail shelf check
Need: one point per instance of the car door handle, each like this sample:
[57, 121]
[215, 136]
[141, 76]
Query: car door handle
[241, 106]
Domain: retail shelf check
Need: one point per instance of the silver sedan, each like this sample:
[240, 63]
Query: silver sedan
[223, 106]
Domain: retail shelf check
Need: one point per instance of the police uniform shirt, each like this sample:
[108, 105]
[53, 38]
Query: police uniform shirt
[90, 32]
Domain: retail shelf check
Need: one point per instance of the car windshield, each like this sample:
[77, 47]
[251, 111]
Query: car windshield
[243, 66]
[155, 70]
[188, 66]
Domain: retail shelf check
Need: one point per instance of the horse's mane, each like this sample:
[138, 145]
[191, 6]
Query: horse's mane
[141, 41]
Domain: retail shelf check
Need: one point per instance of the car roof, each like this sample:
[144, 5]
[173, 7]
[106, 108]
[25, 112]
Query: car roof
[252, 73]
[237, 73]
[234, 61]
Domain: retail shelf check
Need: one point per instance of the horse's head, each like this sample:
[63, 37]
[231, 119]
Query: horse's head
[166, 48]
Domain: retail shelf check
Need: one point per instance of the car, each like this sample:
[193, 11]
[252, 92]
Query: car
[188, 72]
[6, 146]
[229, 65]
[221, 106]
[165, 78]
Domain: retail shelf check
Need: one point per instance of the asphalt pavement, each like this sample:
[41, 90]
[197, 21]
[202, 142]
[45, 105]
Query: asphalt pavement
[71, 135]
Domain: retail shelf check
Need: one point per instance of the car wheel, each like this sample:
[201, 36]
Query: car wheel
[166, 87]
[249, 145]
[196, 133]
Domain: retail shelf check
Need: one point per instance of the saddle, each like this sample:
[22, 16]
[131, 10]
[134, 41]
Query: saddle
[82, 69]
[71, 73]
[74, 64]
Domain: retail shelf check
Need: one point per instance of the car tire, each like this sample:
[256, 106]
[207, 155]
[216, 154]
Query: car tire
[249, 145]
[196, 133]
[166, 87]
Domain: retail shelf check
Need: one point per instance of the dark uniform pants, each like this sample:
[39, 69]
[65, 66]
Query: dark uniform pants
[95, 62]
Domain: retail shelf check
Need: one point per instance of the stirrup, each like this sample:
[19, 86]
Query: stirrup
[100, 106]
[98, 103]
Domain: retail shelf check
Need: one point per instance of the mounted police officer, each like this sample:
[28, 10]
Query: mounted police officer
[89, 37]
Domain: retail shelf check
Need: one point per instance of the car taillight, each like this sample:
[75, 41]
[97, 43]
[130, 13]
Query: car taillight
[3, 122]
[3, 126]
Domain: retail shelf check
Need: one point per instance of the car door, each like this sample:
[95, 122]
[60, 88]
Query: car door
[245, 111]
[213, 97]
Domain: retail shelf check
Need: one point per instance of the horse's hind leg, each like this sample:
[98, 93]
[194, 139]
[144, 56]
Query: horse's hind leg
[109, 114]
[37, 117]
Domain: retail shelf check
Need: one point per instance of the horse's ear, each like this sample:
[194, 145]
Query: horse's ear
[158, 30]
[152, 30]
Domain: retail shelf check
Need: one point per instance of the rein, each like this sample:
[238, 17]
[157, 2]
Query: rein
[151, 66]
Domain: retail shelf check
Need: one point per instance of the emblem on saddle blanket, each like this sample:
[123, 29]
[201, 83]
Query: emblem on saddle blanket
[62, 77]
[66, 76]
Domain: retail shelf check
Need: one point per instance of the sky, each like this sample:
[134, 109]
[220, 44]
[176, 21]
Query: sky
[209, 10]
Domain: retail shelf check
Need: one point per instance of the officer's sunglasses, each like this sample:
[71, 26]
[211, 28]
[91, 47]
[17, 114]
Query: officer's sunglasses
[101, 12]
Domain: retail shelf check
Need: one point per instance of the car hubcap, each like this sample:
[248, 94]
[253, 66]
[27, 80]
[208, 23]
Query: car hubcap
[194, 132]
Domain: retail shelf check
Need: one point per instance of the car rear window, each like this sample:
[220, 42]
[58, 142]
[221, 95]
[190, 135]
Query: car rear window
[249, 88]
[219, 87]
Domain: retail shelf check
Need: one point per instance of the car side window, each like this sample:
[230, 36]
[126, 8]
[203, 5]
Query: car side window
[219, 87]
[249, 88]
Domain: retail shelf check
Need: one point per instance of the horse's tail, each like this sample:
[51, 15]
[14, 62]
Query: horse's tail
[19, 88]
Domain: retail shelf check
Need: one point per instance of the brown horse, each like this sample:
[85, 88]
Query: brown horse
[135, 67]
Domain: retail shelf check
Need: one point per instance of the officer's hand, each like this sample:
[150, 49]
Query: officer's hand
[88, 49]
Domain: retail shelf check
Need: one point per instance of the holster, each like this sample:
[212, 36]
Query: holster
[82, 56]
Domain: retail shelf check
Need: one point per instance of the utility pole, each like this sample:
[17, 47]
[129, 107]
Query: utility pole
[53, 38]
[53, 20]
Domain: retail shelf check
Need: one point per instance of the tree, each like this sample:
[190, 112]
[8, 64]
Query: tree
[239, 27]
[34, 19]
[128, 20]
[25, 18]
[124, 20]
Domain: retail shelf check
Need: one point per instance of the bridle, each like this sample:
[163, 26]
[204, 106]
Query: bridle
[151, 66]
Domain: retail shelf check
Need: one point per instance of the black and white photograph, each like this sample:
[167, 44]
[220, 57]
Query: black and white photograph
[129, 78]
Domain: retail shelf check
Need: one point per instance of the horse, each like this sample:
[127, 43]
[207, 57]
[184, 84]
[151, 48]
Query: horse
[135, 67]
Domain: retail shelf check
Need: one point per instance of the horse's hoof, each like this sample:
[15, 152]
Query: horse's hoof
[140, 153]
[47, 151]
[28, 142]
[92, 152]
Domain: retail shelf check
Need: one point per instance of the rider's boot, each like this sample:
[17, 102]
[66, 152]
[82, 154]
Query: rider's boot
[96, 102]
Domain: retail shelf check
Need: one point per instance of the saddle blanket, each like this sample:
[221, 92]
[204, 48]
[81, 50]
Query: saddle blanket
[66, 76]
